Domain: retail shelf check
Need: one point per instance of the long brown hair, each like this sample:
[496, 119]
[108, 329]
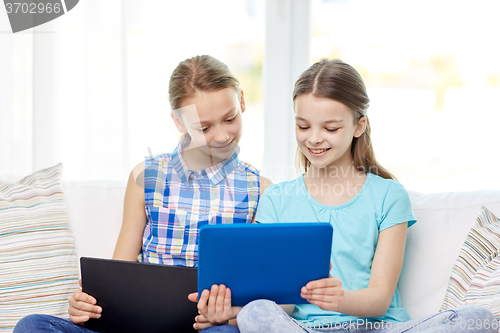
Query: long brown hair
[199, 73]
[339, 81]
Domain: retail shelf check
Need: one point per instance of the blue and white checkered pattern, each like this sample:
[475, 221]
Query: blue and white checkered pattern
[179, 201]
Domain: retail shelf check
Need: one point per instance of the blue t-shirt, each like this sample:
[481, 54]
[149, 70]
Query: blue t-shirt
[380, 204]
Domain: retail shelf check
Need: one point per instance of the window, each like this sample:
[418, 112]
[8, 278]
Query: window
[90, 89]
[160, 34]
[433, 77]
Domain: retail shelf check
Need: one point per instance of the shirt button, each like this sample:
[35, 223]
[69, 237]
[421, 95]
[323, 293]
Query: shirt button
[197, 240]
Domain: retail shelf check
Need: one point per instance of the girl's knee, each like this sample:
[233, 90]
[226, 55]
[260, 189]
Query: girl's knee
[258, 309]
[262, 304]
[30, 323]
[256, 316]
[474, 311]
[477, 317]
[264, 316]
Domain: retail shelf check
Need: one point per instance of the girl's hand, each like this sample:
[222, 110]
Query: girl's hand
[325, 293]
[201, 322]
[215, 305]
[82, 307]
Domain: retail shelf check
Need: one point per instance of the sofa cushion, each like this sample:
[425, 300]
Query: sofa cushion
[434, 242]
[476, 275]
[38, 262]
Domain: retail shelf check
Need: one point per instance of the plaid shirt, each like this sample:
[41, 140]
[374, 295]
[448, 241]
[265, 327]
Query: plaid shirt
[179, 201]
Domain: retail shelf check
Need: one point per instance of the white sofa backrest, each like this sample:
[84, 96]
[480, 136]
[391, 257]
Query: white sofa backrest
[95, 212]
[434, 242]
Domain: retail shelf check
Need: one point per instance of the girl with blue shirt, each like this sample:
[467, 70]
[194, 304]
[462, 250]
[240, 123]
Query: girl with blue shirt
[369, 210]
[170, 196]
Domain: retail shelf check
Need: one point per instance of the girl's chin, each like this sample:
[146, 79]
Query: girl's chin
[221, 153]
[318, 165]
[222, 156]
[316, 161]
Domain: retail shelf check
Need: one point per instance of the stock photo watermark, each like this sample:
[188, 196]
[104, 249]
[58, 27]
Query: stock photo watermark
[26, 14]
[348, 187]
[430, 324]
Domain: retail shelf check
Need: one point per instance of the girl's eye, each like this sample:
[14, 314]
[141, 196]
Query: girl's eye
[332, 129]
[204, 129]
[302, 127]
[230, 120]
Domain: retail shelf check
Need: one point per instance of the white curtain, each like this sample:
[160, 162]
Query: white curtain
[64, 94]
[89, 89]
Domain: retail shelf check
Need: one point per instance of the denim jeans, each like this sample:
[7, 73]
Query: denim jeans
[44, 323]
[263, 316]
[221, 329]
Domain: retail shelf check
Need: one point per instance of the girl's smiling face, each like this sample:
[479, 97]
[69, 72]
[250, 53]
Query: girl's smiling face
[213, 120]
[325, 129]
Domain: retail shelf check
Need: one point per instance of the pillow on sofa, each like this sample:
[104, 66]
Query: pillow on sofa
[476, 275]
[38, 261]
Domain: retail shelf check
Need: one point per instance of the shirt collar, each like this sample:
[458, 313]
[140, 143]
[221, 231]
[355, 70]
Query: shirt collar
[219, 172]
[215, 174]
[178, 162]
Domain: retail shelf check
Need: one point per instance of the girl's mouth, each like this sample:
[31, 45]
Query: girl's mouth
[318, 151]
[225, 147]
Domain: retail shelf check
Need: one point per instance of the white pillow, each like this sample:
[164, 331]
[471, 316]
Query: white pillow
[38, 261]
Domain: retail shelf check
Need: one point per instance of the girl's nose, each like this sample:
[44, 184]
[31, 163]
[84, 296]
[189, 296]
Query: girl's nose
[221, 136]
[315, 138]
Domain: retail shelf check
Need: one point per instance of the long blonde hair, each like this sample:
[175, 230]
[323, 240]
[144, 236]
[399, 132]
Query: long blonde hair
[339, 81]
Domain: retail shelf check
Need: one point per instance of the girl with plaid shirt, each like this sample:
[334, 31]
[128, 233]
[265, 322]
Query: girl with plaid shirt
[170, 196]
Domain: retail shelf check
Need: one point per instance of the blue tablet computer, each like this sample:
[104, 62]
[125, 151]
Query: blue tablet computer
[264, 261]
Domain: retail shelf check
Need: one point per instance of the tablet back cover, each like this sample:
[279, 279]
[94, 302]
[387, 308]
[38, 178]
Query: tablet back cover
[264, 261]
[139, 297]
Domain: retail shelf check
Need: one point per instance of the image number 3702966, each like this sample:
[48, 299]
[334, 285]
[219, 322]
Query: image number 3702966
[26, 14]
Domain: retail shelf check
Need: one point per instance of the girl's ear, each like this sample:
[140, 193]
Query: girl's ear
[242, 101]
[179, 123]
[360, 129]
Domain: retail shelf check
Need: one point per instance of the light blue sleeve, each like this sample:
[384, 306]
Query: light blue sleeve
[396, 207]
[269, 205]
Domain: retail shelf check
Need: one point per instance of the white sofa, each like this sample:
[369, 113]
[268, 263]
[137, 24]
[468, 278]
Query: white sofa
[95, 211]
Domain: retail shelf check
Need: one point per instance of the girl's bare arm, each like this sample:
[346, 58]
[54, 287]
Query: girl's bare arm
[129, 243]
[374, 300]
